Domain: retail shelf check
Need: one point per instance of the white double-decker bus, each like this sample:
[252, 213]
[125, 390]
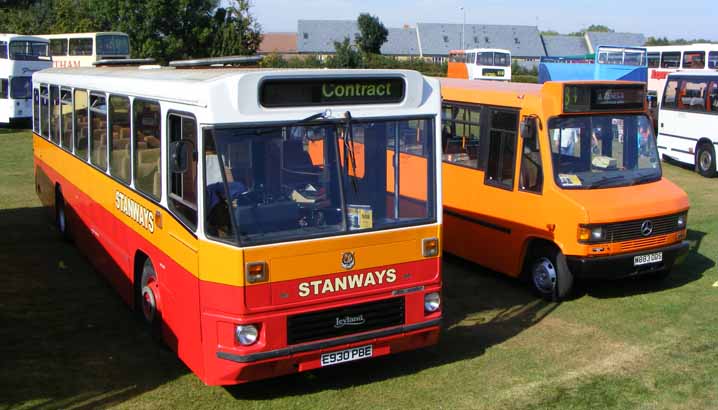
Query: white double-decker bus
[663, 60]
[20, 56]
[688, 120]
[82, 49]
[480, 64]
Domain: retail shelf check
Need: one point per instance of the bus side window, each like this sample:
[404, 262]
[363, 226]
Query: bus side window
[713, 60]
[55, 114]
[81, 124]
[98, 131]
[669, 96]
[713, 97]
[531, 177]
[461, 135]
[3, 49]
[66, 115]
[502, 149]
[44, 110]
[36, 110]
[147, 137]
[3, 88]
[692, 96]
[120, 137]
[182, 186]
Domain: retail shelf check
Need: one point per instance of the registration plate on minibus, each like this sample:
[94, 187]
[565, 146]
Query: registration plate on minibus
[646, 259]
[346, 355]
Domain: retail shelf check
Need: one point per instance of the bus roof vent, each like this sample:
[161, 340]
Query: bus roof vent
[244, 61]
[120, 62]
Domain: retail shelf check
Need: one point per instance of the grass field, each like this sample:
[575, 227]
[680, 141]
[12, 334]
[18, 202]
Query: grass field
[68, 342]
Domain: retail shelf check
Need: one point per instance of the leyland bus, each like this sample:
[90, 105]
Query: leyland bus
[262, 222]
[688, 122]
[20, 56]
[82, 49]
[557, 181]
[480, 64]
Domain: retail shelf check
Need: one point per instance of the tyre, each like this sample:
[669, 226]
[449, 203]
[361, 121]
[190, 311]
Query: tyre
[61, 216]
[549, 274]
[148, 298]
[706, 160]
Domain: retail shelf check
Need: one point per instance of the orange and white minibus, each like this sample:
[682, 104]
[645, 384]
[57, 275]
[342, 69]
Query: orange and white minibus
[557, 181]
[262, 222]
[82, 49]
[480, 64]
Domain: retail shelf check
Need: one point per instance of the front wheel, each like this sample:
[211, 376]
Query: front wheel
[706, 160]
[61, 216]
[549, 274]
[149, 298]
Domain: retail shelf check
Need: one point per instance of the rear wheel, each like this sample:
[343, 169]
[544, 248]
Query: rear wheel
[61, 215]
[149, 298]
[706, 160]
[549, 274]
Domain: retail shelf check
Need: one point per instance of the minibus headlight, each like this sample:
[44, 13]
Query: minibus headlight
[246, 334]
[681, 221]
[432, 302]
[591, 233]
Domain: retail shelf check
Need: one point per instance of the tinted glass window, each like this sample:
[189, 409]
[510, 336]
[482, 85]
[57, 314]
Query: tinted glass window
[694, 59]
[502, 59]
[44, 111]
[669, 94]
[713, 59]
[81, 46]
[27, 50]
[98, 131]
[120, 137]
[531, 177]
[3, 49]
[36, 110]
[4, 85]
[147, 118]
[713, 97]
[502, 148]
[654, 60]
[82, 126]
[113, 45]
[485, 58]
[58, 47]
[671, 59]
[692, 96]
[21, 88]
[182, 195]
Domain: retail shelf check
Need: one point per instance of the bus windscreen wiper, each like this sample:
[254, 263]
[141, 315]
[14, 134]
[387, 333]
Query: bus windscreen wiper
[320, 115]
[349, 157]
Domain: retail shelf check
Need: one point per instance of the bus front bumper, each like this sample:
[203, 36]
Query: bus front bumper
[623, 265]
[245, 368]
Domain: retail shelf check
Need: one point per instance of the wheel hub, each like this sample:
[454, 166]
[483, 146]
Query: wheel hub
[544, 275]
[705, 160]
[149, 303]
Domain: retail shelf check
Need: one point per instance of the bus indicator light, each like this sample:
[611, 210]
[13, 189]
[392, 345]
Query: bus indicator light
[256, 272]
[430, 247]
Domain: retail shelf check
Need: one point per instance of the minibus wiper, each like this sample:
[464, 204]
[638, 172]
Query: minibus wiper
[606, 180]
[645, 178]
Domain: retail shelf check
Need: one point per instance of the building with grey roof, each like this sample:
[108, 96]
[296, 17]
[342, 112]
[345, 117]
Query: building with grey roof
[437, 39]
[318, 37]
[563, 46]
[595, 39]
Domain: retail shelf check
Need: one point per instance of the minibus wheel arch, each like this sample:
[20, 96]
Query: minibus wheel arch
[546, 270]
[61, 220]
[146, 294]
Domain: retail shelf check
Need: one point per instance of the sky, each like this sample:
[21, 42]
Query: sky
[693, 19]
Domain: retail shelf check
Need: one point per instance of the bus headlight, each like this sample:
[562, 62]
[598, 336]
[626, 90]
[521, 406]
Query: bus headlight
[591, 234]
[246, 334]
[432, 302]
[681, 221]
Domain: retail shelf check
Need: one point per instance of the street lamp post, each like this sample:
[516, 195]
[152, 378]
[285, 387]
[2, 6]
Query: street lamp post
[463, 29]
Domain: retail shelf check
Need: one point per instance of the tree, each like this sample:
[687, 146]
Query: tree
[372, 34]
[550, 33]
[594, 28]
[345, 55]
[237, 31]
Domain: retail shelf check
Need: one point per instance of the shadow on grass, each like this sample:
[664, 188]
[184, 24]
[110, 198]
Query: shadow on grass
[16, 126]
[68, 340]
[689, 271]
[481, 309]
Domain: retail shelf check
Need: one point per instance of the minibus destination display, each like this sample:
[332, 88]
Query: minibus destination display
[331, 91]
[619, 97]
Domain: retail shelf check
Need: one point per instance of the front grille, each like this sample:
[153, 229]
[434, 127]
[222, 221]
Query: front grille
[324, 324]
[626, 231]
[649, 242]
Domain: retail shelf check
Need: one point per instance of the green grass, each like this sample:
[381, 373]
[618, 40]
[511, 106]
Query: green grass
[68, 342]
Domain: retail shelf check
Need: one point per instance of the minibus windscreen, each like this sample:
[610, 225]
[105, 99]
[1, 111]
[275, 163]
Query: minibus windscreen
[296, 182]
[601, 151]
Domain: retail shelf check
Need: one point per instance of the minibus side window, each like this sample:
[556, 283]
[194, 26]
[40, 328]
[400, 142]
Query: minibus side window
[531, 177]
[461, 135]
[692, 96]
[147, 138]
[81, 124]
[182, 190]
[502, 149]
[713, 97]
[120, 138]
[669, 95]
